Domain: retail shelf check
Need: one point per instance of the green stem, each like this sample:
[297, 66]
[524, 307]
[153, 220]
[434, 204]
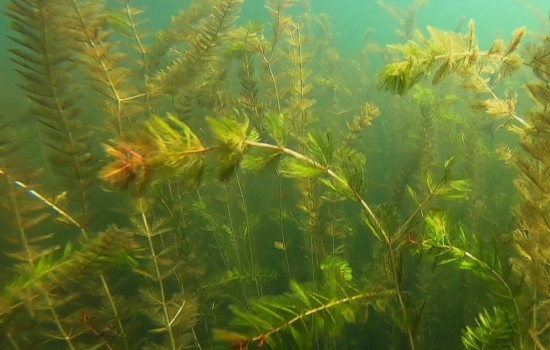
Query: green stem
[142, 51]
[281, 225]
[370, 213]
[68, 217]
[154, 259]
[465, 254]
[401, 231]
[65, 336]
[248, 233]
[267, 63]
[330, 173]
[234, 239]
[300, 317]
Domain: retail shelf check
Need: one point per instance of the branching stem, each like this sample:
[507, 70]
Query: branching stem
[300, 317]
[370, 213]
[154, 259]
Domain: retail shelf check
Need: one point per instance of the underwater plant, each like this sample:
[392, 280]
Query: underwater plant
[219, 184]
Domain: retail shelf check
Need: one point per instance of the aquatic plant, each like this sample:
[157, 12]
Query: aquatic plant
[532, 183]
[498, 330]
[196, 188]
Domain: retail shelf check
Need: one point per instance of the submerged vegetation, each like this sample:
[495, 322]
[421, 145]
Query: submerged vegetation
[220, 184]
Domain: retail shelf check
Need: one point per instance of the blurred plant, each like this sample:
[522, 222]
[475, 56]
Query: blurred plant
[157, 151]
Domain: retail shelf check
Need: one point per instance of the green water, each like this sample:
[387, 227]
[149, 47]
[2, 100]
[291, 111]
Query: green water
[230, 174]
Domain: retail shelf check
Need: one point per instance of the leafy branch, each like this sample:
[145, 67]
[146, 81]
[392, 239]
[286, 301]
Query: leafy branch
[494, 330]
[445, 53]
[164, 147]
[303, 310]
[438, 243]
[343, 169]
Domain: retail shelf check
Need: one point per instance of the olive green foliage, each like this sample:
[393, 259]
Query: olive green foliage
[306, 312]
[447, 52]
[531, 237]
[492, 331]
[220, 184]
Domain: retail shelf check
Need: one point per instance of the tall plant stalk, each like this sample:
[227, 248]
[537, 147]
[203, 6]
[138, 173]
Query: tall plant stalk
[158, 275]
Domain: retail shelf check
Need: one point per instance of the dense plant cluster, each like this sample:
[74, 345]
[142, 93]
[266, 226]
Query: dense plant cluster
[224, 185]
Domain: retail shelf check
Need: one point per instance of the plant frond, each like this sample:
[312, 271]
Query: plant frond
[300, 313]
[94, 25]
[163, 148]
[292, 167]
[406, 18]
[237, 275]
[45, 58]
[350, 165]
[232, 136]
[189, 64]
[444, 53]
[493, 330]
[107, 250]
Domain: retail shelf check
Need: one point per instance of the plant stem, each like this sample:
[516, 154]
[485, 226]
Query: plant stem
[370, 213]
[300, 317]
[267, 62]
[463, 253]
[142, 51]
[234, 239]
[154, 260]
[330, 173]
[281, 225]
[512, 114]
[248, 233]
[51, 307]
